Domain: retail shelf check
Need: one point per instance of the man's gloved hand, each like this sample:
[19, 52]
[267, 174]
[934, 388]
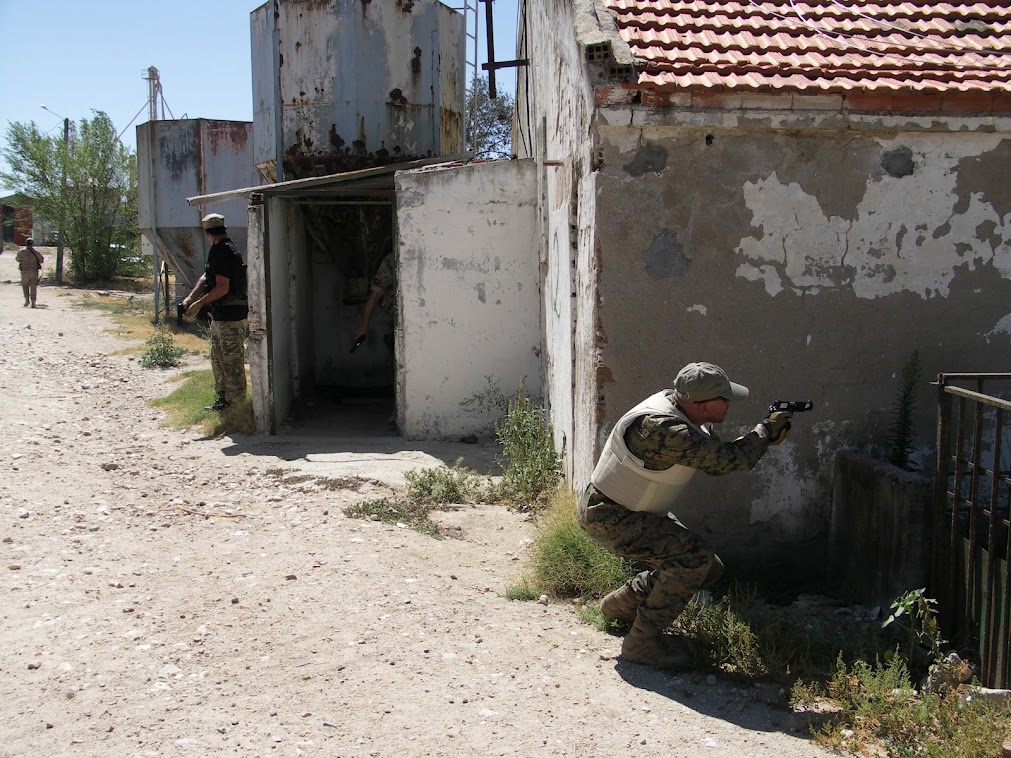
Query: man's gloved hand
[777, 424]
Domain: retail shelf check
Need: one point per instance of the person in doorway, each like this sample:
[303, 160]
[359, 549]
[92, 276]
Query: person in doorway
[30, 263]
[222, 286]
[382, 299]
[648, 459]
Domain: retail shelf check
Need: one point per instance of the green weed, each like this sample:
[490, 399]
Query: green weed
[161, 351]
[411, 514]
[440, 486]
[533, 466]
[900, 436]
[522, 591]
[882, 714]
[566, 562]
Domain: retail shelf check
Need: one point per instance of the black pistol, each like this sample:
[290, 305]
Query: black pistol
[792, 406]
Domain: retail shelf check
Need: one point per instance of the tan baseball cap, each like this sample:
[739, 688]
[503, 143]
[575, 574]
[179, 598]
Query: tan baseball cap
[705, 381]
[213, 221]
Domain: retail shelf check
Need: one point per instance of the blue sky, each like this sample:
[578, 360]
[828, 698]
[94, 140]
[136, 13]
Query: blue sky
[76, 57]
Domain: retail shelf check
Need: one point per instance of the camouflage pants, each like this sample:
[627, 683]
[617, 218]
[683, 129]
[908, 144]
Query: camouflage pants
[228, 359]
[30, 285]
[680, 563]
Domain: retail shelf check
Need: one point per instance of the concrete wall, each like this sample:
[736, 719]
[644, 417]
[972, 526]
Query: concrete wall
[556, 84]
[467, 294]
[283, 334]
[357, 83]
[808, 253]
[258, 293]
[183, 158]
[879, 539]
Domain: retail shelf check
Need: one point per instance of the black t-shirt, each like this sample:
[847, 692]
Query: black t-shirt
[223, 259]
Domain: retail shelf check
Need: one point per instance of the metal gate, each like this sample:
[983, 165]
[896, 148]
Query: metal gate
[972, 494]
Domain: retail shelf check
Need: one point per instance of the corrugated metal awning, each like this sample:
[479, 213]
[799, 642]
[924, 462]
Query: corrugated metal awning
[380, 177]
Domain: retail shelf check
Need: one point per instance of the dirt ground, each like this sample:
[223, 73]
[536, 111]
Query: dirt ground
[167, 594]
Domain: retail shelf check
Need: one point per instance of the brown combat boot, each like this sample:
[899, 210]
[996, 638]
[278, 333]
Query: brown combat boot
[645, 643]
[621, 604]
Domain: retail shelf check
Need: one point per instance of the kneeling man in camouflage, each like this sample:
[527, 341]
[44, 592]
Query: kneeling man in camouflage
[628, 507]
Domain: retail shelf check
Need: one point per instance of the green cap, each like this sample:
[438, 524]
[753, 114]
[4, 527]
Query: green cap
[705, 381]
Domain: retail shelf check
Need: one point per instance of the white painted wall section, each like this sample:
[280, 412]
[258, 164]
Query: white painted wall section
[468, 294]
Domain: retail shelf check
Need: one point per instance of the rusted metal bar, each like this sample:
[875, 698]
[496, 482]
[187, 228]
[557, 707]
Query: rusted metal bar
[940, 557]
[972, 610]
[1002, 679]
[991, 626]
[996, 402]
[956, 497]
[982, 376]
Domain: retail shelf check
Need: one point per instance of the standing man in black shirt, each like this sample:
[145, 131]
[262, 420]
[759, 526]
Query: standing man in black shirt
[223, 288]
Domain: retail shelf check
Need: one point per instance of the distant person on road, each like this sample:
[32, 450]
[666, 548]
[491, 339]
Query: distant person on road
[223, 288]
[628, 507]
[30, 262]
[382, 298]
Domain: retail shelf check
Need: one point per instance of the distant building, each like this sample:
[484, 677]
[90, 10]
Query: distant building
[17, 218]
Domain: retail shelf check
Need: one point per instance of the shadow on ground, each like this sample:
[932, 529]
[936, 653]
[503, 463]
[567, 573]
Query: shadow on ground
[347, 435]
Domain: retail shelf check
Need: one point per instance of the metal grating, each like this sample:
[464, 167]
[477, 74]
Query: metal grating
[971, 535]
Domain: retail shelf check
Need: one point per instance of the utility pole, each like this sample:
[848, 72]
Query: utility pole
[63, 201]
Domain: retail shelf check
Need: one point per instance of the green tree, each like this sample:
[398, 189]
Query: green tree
[99, 203]
[489, 122]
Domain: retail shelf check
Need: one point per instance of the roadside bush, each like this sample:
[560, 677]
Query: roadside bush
[161, 351]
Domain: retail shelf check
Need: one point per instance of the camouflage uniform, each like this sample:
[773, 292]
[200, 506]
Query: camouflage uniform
[680, 562]
[228, 359]
[30, 263]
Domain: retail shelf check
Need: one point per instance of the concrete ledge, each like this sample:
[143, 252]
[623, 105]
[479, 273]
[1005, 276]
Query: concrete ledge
[879, 533]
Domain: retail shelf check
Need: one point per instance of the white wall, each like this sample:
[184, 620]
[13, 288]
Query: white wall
[470, 310]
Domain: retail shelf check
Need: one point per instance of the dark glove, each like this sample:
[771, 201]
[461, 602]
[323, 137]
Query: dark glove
[777, 424]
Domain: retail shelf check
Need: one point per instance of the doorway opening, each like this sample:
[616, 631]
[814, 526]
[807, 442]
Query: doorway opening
[348, 314]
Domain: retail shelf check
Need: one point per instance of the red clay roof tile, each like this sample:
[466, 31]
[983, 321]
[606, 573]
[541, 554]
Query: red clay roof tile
[819, 46]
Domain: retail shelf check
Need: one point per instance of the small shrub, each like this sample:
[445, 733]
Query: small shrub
[533, 467]
[161, 351]
[720, 637]
[883, 715]
[566, 562]
[439, 486]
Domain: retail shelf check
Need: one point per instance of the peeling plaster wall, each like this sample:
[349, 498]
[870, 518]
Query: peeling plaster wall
[809, 262]
[467, 294]
[556, 81]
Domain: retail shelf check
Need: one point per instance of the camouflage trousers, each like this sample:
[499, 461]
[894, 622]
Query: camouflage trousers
[30, 285]
[679, 561]
[228, 359]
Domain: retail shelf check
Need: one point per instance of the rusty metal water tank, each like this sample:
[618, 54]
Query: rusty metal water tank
[341, 85]
[181, 158]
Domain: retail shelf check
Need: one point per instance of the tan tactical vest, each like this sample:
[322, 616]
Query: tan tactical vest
[622, 477]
